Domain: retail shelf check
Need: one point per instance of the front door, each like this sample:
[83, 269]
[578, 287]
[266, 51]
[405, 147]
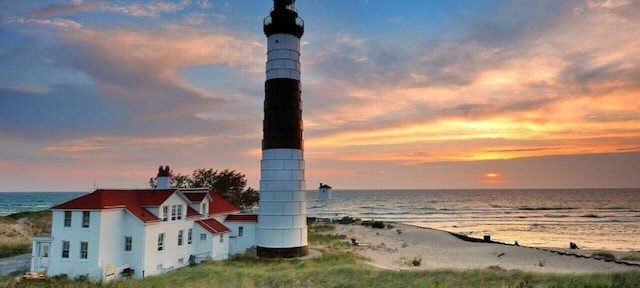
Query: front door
[44, 255]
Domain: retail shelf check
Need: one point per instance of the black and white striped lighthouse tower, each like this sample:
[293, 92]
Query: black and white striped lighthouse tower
[282, 221]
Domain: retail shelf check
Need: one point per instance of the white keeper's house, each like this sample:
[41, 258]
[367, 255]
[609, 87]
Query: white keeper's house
[112, 233]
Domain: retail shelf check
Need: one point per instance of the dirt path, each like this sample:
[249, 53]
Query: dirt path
[15, 263]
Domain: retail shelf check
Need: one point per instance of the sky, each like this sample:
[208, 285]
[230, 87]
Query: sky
[397, 94]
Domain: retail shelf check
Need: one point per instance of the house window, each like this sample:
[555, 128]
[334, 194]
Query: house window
[84, 250]
[165, 213]
[181, 261]
[179, 216]
[221, 238]
[203, 209]
[174, 210]
[67, 218]
[159, 267]
[85, 219]
[203, 236]
[189, 235]
[65, 249]
[180, 238]
[127, 243]
[240, 231]
[160, 241]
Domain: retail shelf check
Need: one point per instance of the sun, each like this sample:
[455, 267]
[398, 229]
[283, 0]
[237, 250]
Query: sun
[491, 178]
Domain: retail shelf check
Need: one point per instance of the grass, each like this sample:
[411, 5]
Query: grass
[8, 249]
[603, 255]
[346, 270]
[342, 268]
[15, 241]
[631, 258]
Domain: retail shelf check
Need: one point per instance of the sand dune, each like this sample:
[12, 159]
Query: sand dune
[439, 249]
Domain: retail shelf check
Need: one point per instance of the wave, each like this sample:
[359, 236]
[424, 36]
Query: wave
[556, 215]
[529, 208]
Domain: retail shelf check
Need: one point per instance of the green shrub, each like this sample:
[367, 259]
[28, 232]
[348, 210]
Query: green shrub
[603, 255]
[630, 258]
[416, 262]
[316, 238]
[13, 249]
[378, 225]
[348, 220]
[321, 227]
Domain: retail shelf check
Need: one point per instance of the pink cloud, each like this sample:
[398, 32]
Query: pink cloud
[141, 67]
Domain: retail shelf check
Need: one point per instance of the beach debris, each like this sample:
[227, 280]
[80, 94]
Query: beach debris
[487, 238]
[355, 242]
[516, 244]
[399, 231]
[392, 249]
[501, 254]
[573, 245]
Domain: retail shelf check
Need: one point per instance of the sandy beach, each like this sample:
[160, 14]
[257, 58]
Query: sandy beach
[395, 249]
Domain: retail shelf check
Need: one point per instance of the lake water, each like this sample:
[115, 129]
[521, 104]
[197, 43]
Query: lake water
[593, 218]
[13, 202]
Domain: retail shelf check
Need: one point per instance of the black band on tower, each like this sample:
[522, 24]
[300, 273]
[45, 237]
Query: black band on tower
[282, 127]
[292, 252]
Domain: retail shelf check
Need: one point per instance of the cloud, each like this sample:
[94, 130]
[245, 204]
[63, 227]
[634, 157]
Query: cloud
[147, 10]
[135, 86]
[66, 9]
[152, 9]
[64, 24]
[141, 68]
[78, 146]
[540, 72]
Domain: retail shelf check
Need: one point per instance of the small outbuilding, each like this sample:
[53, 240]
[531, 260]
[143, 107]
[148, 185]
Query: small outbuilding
[325, 192]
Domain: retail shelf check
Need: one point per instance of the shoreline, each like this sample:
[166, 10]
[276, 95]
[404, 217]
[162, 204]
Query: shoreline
[580, 253]
[396, 248]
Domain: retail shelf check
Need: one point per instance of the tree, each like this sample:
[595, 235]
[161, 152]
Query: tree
[229, 184]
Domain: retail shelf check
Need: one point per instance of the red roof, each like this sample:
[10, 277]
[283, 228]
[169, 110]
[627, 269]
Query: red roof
[242, 218]
[213, 226]
[135, 201]
[195, 196]
[192, 212]
[132, 200]
[220, 206]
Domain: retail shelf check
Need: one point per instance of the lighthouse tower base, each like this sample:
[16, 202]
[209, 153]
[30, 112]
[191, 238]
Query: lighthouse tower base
[293, 252]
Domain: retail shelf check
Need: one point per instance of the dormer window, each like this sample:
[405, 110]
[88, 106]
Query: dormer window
[165, 213]
[176, 212]
[203, 208]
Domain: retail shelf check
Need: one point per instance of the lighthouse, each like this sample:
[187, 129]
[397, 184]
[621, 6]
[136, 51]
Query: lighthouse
[282, 214]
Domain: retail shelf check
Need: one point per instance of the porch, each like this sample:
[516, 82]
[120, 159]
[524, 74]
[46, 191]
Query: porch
[40, 253]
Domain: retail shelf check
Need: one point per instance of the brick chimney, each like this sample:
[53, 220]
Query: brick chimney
[164, 178]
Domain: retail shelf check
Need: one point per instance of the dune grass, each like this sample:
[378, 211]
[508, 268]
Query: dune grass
[345, 269]
[634, 258]
[340, 267]
[16, 228]
[13, 248]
